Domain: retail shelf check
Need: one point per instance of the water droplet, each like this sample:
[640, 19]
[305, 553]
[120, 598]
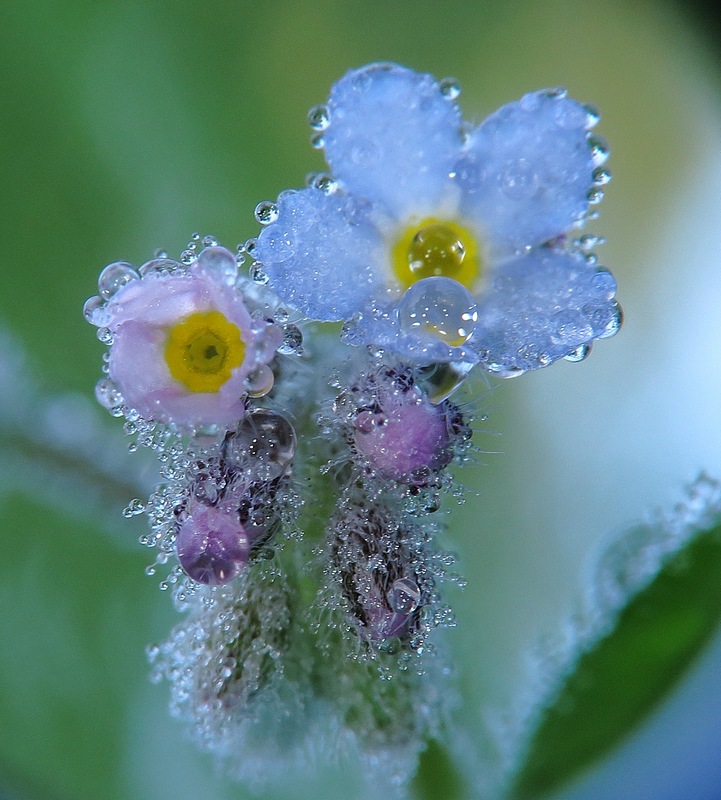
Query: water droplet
[555, 93]
[587, 242]
[158, 265]
[580, 353]
[105, 335]
[212, 545]
[404, 596]
[258, 274]
[604, 283]
[450, 88]
[187, 256]
[317, 142]
[519, 179]
[133, 508]
[264, 438]
[594, 196]
[281, 315]
[440, 381]
[107, 394]
[392, 645]
[614, 324]
[266, 212]
[218, 263]
[93, 311]
[440, 308]
[210, 241]
[569, 328]
[319, 118]
[260, 381]
[599, 150]
[593, 115]
[436, 249]
[601, 176]
[114, 277]
[292, 341]
[326, 184]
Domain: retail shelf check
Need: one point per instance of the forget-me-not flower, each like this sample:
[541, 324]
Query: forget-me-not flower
[184, 346]
[443, 242]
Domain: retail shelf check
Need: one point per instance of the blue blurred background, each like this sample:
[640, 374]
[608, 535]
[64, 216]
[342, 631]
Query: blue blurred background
[127, 126]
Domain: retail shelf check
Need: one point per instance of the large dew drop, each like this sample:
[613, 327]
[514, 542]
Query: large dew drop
[404, 596]
[440, 308]
[264, 443]
[114, 277]
[219, 263]
[212, 545]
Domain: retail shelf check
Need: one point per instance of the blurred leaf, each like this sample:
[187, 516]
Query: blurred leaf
[625, 674]
[77, 613]
[437, 776]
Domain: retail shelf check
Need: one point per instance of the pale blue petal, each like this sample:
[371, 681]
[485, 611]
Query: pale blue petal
[540, 307]
[528, 169]
[322, 254]
[393, 137]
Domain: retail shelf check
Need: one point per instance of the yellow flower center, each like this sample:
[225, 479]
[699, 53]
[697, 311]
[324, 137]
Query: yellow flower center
[436, 247]
[202, 349]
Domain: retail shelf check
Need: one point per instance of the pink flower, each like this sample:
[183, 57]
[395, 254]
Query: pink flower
[185, 348]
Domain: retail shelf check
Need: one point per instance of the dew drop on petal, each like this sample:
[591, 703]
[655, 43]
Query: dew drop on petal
[614, 324]
[438, 307]
[105, 335]
[450, 88]
[319, 118]
[404, 596]
[260, 381]
[326, 184]
[258, 274]
[107, 394]
[266, 213]
[93, 311]
[604, 283]
[158, 265]
[569, 328]
[601, 176]
[580, 353]
[599, 150]
[114, 277]
[593, 115]
[219, 263]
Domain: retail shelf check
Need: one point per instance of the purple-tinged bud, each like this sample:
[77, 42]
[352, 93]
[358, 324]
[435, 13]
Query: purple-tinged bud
[400, 433]
[405, 436]
[379, 575]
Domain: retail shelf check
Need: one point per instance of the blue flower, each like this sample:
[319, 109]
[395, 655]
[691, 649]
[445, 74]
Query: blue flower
[444, 242]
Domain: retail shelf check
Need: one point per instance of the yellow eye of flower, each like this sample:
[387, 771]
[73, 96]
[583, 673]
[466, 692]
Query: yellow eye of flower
[202, 349]
[436, 247]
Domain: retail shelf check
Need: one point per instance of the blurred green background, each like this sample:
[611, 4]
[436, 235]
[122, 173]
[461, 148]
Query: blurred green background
[129, 125]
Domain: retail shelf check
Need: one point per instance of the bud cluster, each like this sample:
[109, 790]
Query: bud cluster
[302, 470]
